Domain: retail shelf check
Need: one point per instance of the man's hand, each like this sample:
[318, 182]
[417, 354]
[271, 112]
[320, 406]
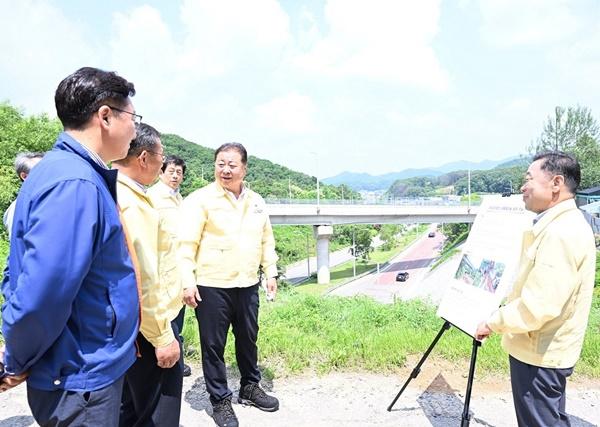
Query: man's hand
[167, 356]
[10, 381]
[191, 296]
[483, 331]
[271, 288]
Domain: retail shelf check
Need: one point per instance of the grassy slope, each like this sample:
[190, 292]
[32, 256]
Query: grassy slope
[306, 332]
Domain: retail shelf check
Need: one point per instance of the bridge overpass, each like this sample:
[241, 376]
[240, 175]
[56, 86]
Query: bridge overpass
[324, 216]
[299, 214]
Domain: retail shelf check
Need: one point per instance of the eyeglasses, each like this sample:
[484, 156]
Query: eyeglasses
[157, 154]
[137, 119]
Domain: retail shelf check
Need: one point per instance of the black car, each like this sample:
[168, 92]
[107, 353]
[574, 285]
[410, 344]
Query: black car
[402, 276]
[431, 234]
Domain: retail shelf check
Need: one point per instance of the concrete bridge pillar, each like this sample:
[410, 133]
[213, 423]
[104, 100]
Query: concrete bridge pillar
[323, 233]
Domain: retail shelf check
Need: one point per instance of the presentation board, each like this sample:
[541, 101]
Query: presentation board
[488, 263]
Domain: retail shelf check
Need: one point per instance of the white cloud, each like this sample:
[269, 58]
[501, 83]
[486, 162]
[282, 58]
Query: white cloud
[144, 51]
[509, 23]
[308, 34]
[517, 106]
[579, 63]
[380, 40]
[223, 34]
[292, 113]
[40, 47]
[423, 120]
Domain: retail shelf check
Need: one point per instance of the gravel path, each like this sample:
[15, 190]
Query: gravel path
[434, 398]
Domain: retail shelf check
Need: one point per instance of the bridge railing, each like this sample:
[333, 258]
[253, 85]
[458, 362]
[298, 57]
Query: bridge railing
[405, 201]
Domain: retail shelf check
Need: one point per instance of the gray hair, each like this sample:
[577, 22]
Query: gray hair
[25, 161]
[146, 139]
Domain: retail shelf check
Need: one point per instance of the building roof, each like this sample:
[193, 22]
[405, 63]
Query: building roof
[592, 191]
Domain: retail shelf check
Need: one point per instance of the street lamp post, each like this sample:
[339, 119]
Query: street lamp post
[317, 176]
[318, 192]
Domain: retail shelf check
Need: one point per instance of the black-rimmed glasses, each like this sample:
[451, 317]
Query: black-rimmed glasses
[137, 119]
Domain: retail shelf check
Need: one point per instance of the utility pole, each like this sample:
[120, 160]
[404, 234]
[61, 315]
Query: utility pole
[353, 254]
[307, 257]
[469, 190]
[289, 188]
[556, 113]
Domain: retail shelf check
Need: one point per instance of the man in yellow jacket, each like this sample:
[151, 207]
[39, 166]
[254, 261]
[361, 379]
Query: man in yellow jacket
[153, 385]
[225, 236]
[545, 316]
[166, 199]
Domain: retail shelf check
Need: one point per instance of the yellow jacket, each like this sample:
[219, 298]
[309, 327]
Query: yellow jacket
[545, 316]
[221, 242]
[160, 302]
[167, 204]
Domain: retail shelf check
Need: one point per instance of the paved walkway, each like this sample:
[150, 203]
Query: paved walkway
[435, 399]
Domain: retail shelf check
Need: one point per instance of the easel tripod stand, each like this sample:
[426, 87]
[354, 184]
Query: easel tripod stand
[466, 416]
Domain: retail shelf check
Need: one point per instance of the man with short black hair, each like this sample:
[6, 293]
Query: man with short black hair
[23, 164]
[225, 238]
[166, 199]
[152, 393]
[545, 317]
[70, 315]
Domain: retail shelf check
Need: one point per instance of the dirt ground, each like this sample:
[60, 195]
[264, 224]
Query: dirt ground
[434, 398]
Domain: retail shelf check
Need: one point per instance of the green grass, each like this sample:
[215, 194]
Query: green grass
[300, 332]
[589, 364]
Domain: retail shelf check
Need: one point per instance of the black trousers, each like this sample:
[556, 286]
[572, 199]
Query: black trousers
[539, 394]
[76, 408]
[179, 321]
[151, 394]
[219, 309]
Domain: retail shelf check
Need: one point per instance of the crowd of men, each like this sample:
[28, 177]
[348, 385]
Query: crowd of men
[94, 286]
[103, 259]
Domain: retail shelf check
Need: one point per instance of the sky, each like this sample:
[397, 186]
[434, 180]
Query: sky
[321, 86]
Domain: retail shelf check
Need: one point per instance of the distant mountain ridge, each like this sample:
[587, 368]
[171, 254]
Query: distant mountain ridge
[365, 181]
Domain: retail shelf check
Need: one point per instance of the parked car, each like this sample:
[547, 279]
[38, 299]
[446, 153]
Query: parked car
[431, 234]
[402, 276]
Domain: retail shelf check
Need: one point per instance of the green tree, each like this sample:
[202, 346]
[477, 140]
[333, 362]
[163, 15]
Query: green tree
[496, 180]
[455, 233]
[19, 133]
[388, 233]
[573, 130]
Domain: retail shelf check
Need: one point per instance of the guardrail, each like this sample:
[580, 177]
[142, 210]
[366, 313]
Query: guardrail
[386, 202]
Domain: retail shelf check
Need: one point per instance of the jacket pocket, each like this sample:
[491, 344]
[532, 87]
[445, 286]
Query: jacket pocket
[111, 316]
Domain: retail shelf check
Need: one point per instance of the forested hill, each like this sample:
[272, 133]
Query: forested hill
[20, 132]
[265, 177]
[502, 178]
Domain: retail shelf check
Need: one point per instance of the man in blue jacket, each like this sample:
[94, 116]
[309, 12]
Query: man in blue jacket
[71, 310]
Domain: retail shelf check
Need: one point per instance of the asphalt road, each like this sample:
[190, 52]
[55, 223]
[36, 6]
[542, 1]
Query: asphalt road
[383, 286]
